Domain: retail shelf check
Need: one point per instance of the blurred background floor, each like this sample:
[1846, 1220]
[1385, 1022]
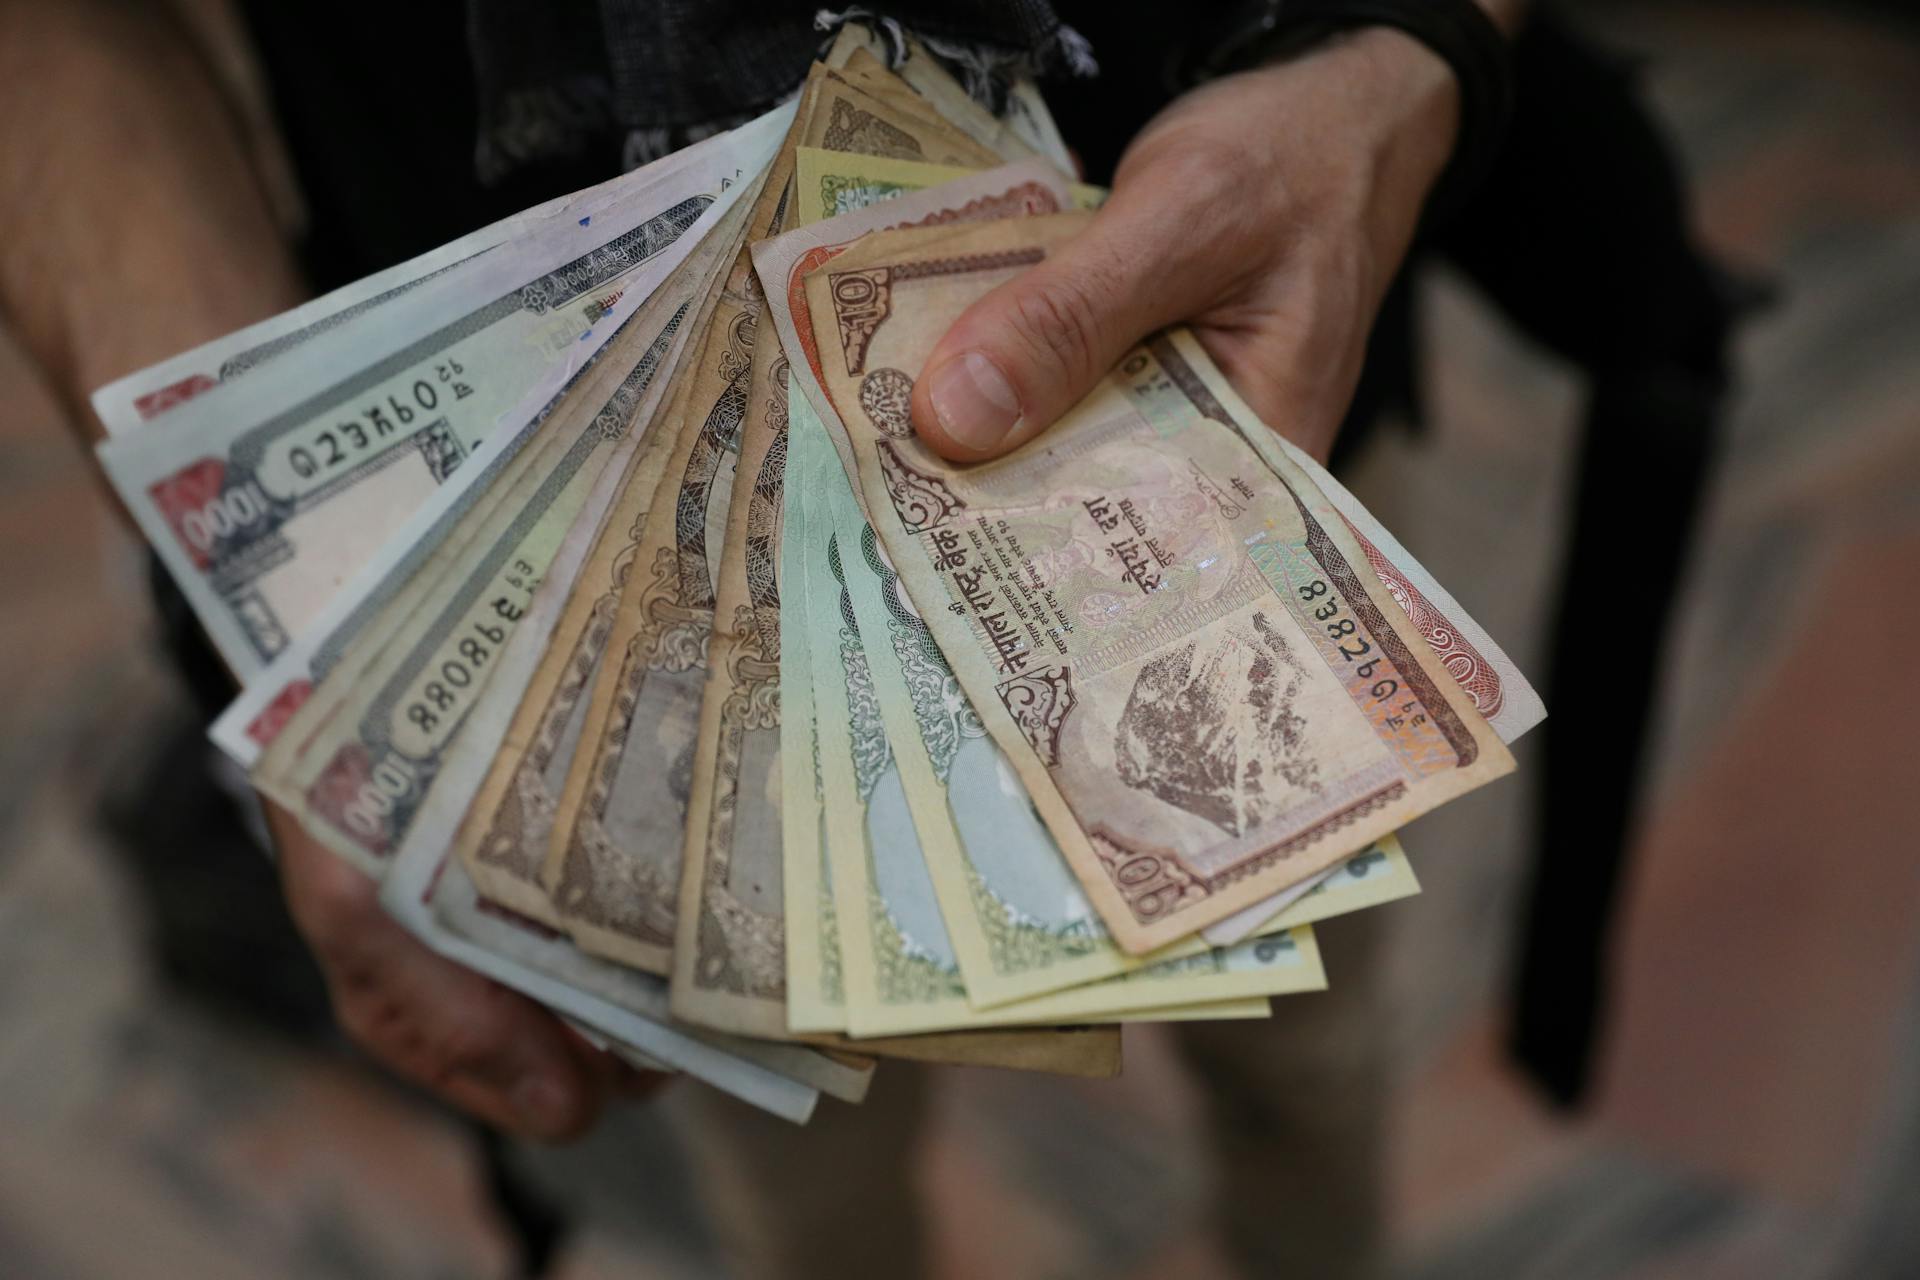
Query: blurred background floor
[1760, 1111]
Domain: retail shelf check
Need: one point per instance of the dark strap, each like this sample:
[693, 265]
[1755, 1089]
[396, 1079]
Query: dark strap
[1459, 31]
[1581, 236]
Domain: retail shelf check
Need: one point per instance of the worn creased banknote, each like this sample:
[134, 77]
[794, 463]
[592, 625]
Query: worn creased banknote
[901, 970]
[1162, 622]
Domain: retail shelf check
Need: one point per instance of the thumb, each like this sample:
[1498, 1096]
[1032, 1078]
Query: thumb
[1027, 352]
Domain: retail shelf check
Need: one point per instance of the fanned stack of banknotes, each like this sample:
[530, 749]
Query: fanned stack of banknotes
[590, 589]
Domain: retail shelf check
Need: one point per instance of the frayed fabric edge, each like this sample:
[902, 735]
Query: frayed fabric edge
[984, 70]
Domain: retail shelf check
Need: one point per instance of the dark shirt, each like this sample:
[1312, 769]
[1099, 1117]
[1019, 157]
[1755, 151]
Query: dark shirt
[386, 107]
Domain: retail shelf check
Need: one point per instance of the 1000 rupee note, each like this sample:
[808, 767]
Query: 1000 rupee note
[386, 588]
[155, 391]
[901, 973]
[300, 698]
[1131, 602]
[357, 758]
[265, 496]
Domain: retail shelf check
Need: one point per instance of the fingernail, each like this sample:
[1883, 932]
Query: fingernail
[542, 1104]
[976, 405]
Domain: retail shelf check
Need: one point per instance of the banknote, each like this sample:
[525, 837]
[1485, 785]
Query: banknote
[614, 866]
[428, 892]
[1026, 129]
[282, 710]
[816, 995]
[263, 497]
[505, 836]
[1015, 916]
[151, 393]
[867, 112]
[729, 963]
[377, 594]
[729, 953]
[1131, 605]
[899, 122]
[356, 758]
[828, 184]
[1026, 188]
[1378, 874]
[901, 972]
[503, 839]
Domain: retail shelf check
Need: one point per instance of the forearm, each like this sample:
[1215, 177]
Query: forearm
[132, 222]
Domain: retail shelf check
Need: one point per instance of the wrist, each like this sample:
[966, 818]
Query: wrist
[1410, 112]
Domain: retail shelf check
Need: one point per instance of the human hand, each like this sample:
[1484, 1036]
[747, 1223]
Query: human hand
[487, 1050]
[1268, 211]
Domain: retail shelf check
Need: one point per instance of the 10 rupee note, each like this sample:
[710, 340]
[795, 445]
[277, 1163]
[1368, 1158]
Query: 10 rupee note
[1173, 637]
[901, 971]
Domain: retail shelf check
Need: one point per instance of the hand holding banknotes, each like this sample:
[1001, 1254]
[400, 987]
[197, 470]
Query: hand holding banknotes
[636, 692]
[641, 678]
[1275, 245]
